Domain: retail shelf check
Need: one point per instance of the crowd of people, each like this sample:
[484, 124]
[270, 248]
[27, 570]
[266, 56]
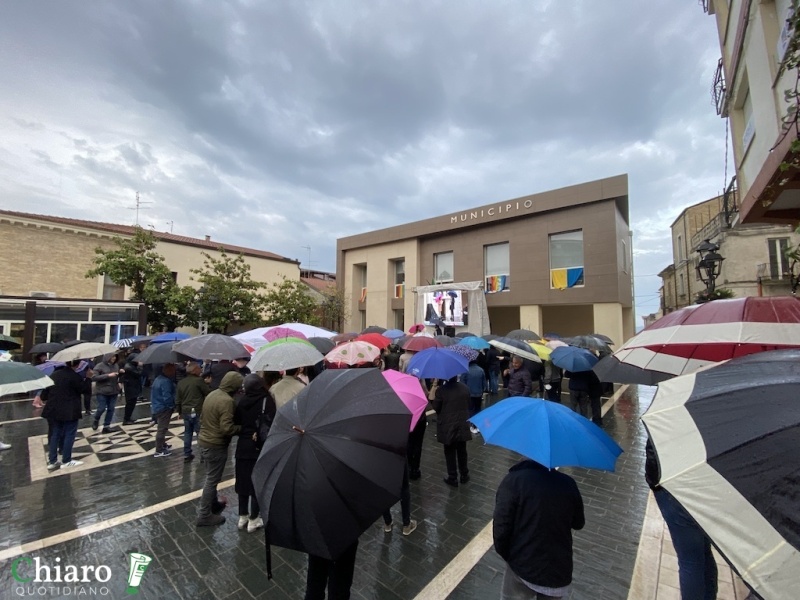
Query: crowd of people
[222, 401]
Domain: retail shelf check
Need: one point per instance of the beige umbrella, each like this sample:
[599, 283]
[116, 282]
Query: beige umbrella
[84, 350]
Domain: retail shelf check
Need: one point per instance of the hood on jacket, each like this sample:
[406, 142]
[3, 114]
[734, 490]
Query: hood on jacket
[107, 358]
[253, 385]
[231, 383]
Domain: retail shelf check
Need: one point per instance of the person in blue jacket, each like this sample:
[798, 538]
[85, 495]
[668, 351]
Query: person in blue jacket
[162, 405]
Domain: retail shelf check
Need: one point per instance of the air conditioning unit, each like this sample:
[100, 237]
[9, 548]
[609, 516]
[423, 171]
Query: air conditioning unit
[43, 295]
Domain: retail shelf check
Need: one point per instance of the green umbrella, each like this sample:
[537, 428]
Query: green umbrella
[8, 343]
[17, 378]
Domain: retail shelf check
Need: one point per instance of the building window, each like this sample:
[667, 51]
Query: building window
[399, 320]
[680, 247]
[497, 268]
[361, 282]
[749, 122]
[778, 263]
[443, 267]
[566, 260]
[399, 278]
[112, 291]
[362, 320]
[681, 285]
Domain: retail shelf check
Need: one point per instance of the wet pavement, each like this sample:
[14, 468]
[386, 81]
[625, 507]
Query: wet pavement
[101, 513]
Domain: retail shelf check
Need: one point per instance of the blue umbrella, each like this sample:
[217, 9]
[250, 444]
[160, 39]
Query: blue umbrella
[474, 342]
[393, 334]
[571, 358]
[170, 336]
[437, 363]
[547, 432]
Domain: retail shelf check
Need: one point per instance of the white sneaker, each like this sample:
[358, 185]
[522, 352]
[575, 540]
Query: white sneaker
[254, 524]
[73, 463]
[243, 519]
[4, 446]
[53, 466]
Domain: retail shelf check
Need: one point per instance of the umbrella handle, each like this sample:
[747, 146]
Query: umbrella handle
[296, 428]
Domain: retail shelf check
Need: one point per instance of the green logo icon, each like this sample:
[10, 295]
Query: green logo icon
[136, 570]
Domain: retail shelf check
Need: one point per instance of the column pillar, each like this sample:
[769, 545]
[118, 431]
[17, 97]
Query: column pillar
[530, 317]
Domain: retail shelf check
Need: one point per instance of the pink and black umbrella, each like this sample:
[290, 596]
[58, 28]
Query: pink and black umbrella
[702, 334]
[410, 391]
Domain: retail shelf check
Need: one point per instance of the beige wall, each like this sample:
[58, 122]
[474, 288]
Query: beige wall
[181, 259]
[41, 259]
[530, 317]
[609, 320]
[380, 283]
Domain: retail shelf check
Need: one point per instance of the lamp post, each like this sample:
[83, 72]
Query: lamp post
[708, 269]
[202, 326]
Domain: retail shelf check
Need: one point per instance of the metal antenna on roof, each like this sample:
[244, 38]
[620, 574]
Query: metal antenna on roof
[171, 225]
[138, 206]
[308, 265]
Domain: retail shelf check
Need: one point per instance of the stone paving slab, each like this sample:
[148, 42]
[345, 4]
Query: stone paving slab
[225, 563]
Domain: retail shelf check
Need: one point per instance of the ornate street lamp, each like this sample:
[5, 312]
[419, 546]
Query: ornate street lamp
[708, 269]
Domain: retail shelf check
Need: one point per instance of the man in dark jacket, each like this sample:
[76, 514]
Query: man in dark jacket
[162, 404]
[519, 378]
[451, 404]
[585, 391]
[216, 429]
[536, 509]
[63, 409]
[191, 392]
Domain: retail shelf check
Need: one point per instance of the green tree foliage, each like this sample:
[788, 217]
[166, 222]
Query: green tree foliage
[135, 263]
[333, 307]
[290, 302]
[717, 294]
[228, 294]
[791, 120]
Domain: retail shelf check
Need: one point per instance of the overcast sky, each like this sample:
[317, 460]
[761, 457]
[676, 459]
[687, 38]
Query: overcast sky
[284, 124]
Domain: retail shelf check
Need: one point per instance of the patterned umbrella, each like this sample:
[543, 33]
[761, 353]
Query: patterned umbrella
[469, 353]
[353, 353]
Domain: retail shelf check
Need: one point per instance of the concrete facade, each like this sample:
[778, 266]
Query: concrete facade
[749, 268]
[750, 93]
[598, 209]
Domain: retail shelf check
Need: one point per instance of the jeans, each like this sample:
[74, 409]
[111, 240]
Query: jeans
[191, 426]
[162, 421]
[554, 393]
[214, 460]
[493, 381]
[63, 436]
[514, 588]
[697, 570]
[475, 405]
[405, 502]
[105, 404]
[336, 575]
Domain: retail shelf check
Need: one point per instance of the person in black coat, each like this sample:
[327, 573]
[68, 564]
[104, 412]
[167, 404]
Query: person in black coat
[248, 407]
[451, 404]
[132, 384]
[536, 509]
[63, 410]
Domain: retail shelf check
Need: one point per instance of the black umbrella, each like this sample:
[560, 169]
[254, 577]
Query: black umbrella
[612, 370]
[446, 340]
[603, 338]
[212, 346]
[72, 343]
[8, 343]
[324, 345]
[525, 335]
[588, 342]
[159, 354]
[490, 336]
[373, 329]
[727, 440]
[333, 461]
[465, 334]
[46, 347]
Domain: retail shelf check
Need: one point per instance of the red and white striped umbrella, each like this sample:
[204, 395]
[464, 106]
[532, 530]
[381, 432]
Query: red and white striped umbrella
[698, 335]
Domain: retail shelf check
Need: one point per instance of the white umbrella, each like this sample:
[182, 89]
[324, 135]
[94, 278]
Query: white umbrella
[84, 350]
[284, 354]
[254, 337]
[18, 378]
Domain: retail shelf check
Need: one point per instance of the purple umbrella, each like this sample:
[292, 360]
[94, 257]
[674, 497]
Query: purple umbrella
[469, 353]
